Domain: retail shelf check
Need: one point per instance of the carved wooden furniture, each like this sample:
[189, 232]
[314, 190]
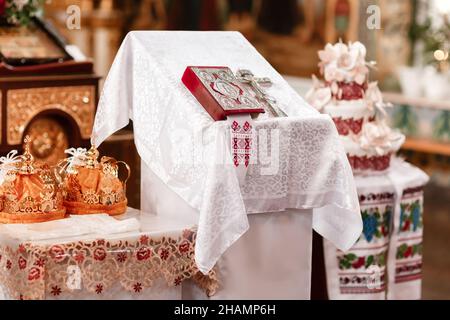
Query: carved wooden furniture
[52, 99]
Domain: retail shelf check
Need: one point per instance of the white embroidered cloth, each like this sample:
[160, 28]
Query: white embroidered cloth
[386, 262]
[188, 151]
[73, 227]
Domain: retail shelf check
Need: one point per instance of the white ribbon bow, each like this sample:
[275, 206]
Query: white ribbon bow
[77, 157]
[8, 163]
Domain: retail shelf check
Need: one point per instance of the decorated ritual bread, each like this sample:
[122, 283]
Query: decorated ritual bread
[92, 186]
[356, 107]
[29, 192]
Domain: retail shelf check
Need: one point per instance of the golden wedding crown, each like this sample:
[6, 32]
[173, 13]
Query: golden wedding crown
[29, 192]
[91, 186]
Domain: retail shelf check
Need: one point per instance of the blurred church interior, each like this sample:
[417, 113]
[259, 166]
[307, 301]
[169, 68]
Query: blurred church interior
[411, 46]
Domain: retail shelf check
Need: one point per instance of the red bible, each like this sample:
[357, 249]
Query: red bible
[220, 93]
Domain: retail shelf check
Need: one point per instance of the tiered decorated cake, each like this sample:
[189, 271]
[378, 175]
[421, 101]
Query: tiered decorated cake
[356, 107]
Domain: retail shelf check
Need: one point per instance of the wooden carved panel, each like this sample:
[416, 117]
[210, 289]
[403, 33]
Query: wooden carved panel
[24, 104]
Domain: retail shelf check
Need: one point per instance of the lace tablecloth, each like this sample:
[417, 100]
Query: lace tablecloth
[80, 264]
[301, 163]
[386, 261]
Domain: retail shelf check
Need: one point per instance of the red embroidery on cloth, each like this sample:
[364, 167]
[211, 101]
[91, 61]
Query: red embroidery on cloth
[21, 248]
[132, 264]
[137, 287]
[122, 257]
[99, 254]
[144, 253]
[79, 257]
[57, 253]
[408, 272]
[34, 274]
[99, 288]
[22, 263]
[376, 163]
[376, 197]
[377, 210]
[412, 190]
[144, 239]
[56, 291]
[40, 262]
[241, 143]
[164, 254]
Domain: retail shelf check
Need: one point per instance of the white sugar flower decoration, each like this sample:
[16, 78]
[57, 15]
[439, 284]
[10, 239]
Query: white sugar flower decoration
[378, 136]
[319, 95]
[341, 62]
[374, 99]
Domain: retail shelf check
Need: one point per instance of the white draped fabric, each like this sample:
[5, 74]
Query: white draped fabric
[301, 164]
[270, 261]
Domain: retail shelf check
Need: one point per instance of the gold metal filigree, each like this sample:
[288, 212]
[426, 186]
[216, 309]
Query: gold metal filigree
[24, 179]
[24, 104]
[109, 191]
[49, 140]
[90, 197]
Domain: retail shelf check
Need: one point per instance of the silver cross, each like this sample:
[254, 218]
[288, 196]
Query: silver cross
[246, 76]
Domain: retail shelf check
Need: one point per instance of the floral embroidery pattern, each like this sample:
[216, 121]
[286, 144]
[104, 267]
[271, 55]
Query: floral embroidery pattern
[35, 272]
[121, 257]
[352, 261]
[241, 142]
[377, 213]
[408, 272]
[360, 284]
[56, 291]
[137, 287]
[99, 288]
[99, 254]
[410, 216]
[404, 251]
[376, 224]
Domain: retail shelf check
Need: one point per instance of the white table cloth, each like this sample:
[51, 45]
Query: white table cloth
[96, 257]
[386, 261]
[272, 260]
[184, 148]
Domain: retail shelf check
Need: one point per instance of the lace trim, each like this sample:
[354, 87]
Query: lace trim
[35, 271]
